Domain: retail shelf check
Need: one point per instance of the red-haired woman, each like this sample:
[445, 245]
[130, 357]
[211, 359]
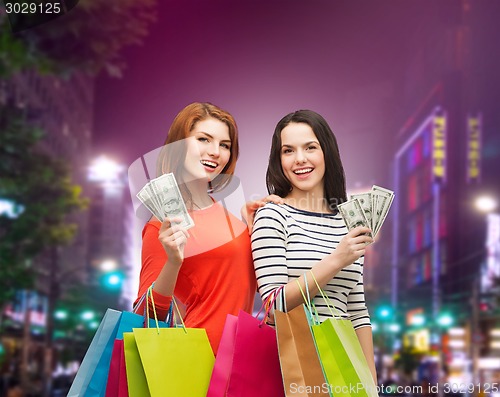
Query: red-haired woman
[208, 268]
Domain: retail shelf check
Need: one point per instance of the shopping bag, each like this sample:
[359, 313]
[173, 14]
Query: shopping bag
[343, 360]
[92, 376]
[136, 378]
[117, 379]
[177, 362]
[300, 366]
[94, 366]
[255, 370]
[252, 352]
[224, 360]
[122, 381]
[342, 357]
[137, 385]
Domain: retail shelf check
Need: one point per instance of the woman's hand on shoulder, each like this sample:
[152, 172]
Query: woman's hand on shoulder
[250, 207]
[173, 238]
[352, 246]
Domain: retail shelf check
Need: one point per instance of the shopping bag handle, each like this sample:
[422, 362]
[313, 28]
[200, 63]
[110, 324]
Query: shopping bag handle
[282, 302]
[179, 314]
[328, 302]
[149, 293]
[268, 303]
[307, 300]
[170, 313]
[169, 319]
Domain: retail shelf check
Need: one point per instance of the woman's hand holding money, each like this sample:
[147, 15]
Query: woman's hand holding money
[352, 246]
[173, 238]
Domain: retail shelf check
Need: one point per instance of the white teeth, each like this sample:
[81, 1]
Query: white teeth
[209, 163]
[303, 171]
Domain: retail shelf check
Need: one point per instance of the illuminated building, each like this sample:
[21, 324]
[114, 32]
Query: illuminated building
[445, 157]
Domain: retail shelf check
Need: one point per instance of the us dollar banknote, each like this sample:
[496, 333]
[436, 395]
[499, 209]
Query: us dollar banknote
[164, 199]
[374, 204]
[146, 198]
[365, 199]
[353, 214]
[383, 202]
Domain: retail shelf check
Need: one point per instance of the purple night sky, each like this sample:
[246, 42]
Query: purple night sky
[261, 60]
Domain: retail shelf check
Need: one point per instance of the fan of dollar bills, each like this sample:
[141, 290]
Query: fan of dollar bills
[367, 209]
[163, 198]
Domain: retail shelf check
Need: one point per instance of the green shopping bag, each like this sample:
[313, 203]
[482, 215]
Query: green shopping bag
[342, 357]
[136, 378]
[176, 362]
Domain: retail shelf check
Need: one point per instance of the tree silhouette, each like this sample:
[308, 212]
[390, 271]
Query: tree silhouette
[39, 186]
[88, 38]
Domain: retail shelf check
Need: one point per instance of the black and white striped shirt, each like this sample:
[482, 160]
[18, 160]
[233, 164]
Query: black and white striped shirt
[287, 242]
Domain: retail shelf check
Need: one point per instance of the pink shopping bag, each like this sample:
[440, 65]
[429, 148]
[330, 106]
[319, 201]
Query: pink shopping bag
[122, 381]
[256, 367]
[224, 359]
[117, 378]
[247, 363]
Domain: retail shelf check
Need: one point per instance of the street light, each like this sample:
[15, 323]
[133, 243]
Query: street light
[417, 320]
[61, 314]
[445, 320]
[488, 272]
[87, 315]
[105, 170]
[94, 325]
[108, 265]
[108, 203]
[386, 330]
[486, 204]
[384, 312]
[112, 280]
[10, 208]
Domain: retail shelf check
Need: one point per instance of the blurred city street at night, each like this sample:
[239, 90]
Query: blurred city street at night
[411, 90]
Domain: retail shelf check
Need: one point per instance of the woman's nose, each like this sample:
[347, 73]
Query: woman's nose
[213, 150]
[300, 157]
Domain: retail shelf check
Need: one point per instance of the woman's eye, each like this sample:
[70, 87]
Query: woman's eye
[225, 146]
[312, 147]
[203, 139]
[286, 151]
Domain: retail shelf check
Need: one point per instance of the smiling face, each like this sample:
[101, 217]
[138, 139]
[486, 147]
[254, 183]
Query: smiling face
[302, 159]
[208, 150]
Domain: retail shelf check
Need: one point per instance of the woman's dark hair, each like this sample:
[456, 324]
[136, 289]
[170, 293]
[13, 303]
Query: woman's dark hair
[334, 179]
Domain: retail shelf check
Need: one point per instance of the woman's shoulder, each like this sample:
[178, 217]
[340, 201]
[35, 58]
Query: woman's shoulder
[281, 208]
[273, 210]
[154, 222]
[153, 225]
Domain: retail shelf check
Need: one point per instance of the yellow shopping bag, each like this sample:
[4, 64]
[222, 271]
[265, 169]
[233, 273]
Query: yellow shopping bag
[136, 378]
[177, 362]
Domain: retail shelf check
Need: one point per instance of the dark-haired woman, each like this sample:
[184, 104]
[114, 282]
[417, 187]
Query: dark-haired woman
[306, 233]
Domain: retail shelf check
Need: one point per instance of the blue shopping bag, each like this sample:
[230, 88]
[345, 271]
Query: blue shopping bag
[92, 376]
[93, 362]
